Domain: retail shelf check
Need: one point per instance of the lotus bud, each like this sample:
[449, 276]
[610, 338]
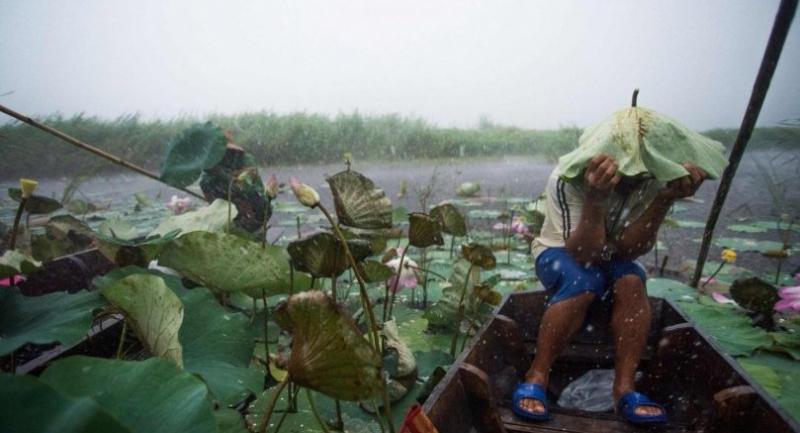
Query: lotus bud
[348, 158]
[728, 255]
[271, 188]
[304, 193]
[28, 186]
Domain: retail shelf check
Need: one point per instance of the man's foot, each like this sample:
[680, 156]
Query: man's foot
[639, 409]
[530, 401]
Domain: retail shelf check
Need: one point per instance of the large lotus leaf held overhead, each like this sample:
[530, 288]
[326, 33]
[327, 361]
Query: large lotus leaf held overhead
[199, 147]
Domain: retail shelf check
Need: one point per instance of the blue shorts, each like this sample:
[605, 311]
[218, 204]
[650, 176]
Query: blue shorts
[565, 278]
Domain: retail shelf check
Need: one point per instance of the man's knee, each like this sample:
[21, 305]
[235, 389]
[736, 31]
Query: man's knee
[629, 288]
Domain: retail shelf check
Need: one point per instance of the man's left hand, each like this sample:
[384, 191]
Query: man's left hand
[685, 186]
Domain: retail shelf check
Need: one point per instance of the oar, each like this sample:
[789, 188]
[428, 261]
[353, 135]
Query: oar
[88, 147]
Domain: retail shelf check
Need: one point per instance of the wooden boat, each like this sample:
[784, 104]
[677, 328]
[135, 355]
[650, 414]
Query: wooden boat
[702, 388]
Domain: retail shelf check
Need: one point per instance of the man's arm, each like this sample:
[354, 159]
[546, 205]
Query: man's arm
[640, 236]
[587, 241]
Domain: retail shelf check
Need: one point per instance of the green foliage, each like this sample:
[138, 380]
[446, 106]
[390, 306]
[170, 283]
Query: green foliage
[359, 203]
[151, 396]
[56, 317]
[36, 204]
[199, 147]
[12, 262]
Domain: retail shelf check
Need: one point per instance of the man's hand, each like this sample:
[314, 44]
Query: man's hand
[601, 177]
[685, 186]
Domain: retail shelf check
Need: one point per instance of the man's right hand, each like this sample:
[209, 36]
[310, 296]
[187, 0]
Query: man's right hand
[600, 177]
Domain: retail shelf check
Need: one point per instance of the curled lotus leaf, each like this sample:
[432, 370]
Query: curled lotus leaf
[329, 354]
[13, 262]
[359, 203]
[479, 255]
[424, 231]
[323, 256]
[453, 222]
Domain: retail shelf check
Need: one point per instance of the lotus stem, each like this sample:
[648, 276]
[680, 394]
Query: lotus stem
[428, 271]
[17, 217]
[663, 266]
[397, 281]
[425, 279]
[122, 338]
[385, 302]
[712, 275]
[291, 279]
[262, 424]
[333, 290]
[778, 272]
[460, 314]
[339, 422]
[316, 414]
[634, 97]
[230, 193]
[297, 221]
[266, 330]
[452, 244]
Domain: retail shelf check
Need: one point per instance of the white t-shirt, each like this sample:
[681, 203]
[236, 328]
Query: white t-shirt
[564, 204]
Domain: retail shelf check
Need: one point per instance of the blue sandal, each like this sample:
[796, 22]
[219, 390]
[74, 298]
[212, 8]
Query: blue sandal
[629, 402]
[530, 391]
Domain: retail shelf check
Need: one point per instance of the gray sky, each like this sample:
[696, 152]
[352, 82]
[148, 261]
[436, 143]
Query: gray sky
[526, 63]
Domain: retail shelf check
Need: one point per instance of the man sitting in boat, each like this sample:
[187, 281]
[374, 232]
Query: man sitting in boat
[605, 203]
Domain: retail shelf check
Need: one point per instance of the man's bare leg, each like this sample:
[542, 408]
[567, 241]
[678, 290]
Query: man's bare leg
[559, 324]
[630, 322]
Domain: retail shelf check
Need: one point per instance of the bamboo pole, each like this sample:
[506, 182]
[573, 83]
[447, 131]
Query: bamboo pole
[88, 147]
[780, 28]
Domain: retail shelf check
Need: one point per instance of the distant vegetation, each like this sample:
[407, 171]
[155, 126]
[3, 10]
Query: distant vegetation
[295, 138]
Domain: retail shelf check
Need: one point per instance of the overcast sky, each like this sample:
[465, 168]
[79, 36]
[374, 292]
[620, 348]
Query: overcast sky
[532, 64]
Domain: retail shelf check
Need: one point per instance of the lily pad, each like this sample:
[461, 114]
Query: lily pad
[151, 396]
[424, 231]
[747, 228]
[788, 371]
[323, 256]
[36, 204]
[744, 244]
[211, 218]
[329, 354]
[26, 399]
[765, 376]
[732, 329]
[154, 312]
[197, 148]
[228, 263]
[56, 317]
[453, 222]
[12, 262]
[484, 214]
[359, 203]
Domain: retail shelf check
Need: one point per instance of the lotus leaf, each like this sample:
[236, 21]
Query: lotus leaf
[128, 251]
[375, 272]
[424, 231]
[56, 317]
[755, 295]
[405, 374]
[479, 255]
[26, 399]
[13, 262]
[197, 148]
[323, 256]
[211, 218]
[64, 234]
[329, 354]
[153, 310]
[731, 329]
[468, 189]
[228, 263]
[453, 222]
[36, 204]
[765, 376]
[151, 396]
[358, 202]
[643, 141]
[744, 244]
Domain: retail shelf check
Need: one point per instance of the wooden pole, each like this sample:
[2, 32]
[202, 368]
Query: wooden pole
[780, 28]
[88, 147]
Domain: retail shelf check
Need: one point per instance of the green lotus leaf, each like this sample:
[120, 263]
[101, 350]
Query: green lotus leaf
[151, 396]
[468, 189]
[36, 204]
[323, 256]
[228, 263]
[120, 243]
[56, 317]
[375, 272]
[329, 354]
[64, 234]
[479, 255]
[199, 147]
[764, 375]
[745, 244]
[358, 202]
[154, 312]
[755, 294]
[211, 218]
[731, 329]
[453, 222]
[424, 231]
[643, 141]
[32, 406]
[13, 262]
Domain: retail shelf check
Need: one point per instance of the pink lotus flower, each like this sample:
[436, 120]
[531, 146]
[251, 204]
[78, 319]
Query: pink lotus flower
[409, 276]
[790, 299]
[271, 188]
[14, 280]
[722, 299]
[517, 226]
[179, 205]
